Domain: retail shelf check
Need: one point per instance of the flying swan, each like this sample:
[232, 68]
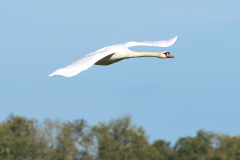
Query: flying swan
[112, 54]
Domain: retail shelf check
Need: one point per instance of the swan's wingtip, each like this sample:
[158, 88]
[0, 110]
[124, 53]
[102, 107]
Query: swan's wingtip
[174, 39]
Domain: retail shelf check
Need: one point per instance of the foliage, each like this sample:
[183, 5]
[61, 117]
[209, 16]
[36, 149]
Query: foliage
[119, 140]
[25, 139]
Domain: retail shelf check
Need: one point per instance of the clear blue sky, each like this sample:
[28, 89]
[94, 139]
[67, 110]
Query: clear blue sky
[198, 89]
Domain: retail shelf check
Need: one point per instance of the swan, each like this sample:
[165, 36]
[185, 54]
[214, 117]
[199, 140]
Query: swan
[112, 54]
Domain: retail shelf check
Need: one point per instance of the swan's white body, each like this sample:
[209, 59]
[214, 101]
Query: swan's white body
[109, 55]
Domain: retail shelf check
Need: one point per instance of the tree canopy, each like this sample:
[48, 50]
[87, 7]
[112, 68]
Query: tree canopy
[118, 139]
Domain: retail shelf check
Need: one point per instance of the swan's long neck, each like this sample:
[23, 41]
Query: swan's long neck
[113, 58]
[144, 54]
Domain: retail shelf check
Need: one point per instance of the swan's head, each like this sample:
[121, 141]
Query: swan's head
[165, 54]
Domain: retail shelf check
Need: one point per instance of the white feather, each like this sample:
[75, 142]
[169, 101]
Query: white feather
[162, 43]
[86, 62]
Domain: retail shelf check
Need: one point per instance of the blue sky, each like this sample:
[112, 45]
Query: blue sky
[170, 98]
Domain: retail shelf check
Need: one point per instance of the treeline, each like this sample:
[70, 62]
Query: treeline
[118, 139]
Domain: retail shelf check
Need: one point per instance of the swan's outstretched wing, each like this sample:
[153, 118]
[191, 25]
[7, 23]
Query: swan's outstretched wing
[83, 63]
[162, 43]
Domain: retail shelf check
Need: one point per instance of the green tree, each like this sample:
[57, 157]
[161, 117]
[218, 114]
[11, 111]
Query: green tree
[195, 148]
[119, 140]
[22, 139]
[17, 139]
[88, 148]
[227, 148]
[25, 139]
[69, 135]
[163, 150]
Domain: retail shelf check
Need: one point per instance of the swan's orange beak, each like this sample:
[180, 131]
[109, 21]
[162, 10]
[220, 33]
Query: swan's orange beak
[169, 55]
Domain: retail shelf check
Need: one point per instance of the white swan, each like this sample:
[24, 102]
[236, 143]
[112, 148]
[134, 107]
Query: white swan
[112, 54]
